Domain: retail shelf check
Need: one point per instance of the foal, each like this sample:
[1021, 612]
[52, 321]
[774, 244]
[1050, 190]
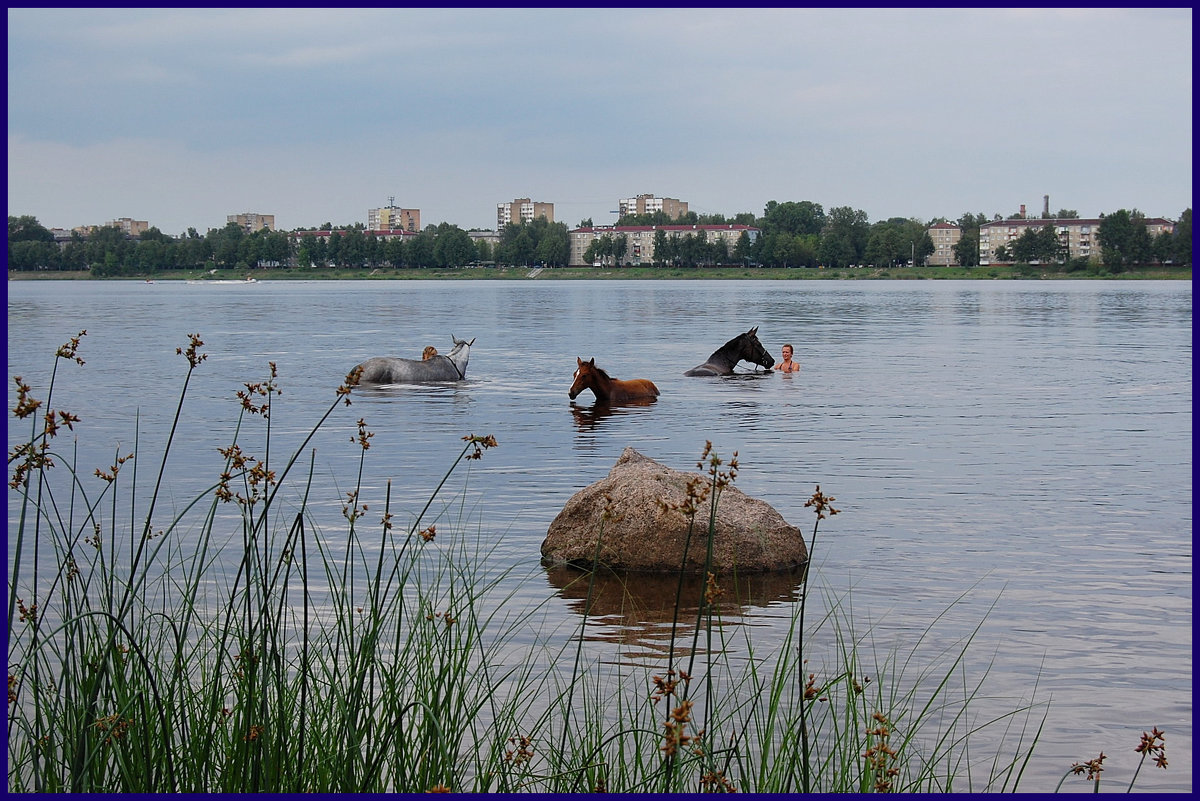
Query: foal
[608, 389]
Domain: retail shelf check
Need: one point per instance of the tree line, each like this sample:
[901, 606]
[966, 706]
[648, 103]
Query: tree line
[792, 234]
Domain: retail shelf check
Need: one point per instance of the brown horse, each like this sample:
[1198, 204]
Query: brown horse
[608, 389]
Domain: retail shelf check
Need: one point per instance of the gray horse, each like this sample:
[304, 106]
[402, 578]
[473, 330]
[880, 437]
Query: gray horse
[391, 370]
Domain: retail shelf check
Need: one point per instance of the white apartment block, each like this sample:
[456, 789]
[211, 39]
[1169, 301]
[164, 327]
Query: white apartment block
[391, 218]
[639, 239]
[648, 204]
[522, 210]
[251, 222]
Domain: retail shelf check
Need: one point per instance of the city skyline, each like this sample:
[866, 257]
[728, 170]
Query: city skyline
[184, 116]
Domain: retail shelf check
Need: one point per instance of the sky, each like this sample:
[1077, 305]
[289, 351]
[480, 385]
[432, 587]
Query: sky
[182, 117]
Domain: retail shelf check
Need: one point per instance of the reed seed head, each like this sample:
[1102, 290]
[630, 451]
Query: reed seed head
[823, 504]
[1093, 768]
[193, 354]
[1153, 744]
[481, 444]
[71, 349]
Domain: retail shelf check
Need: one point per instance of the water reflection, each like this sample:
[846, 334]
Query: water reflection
[587, 418]
[455, 392]
[637, 611]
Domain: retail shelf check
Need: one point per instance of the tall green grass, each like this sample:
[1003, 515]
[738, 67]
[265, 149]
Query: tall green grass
[388, 658]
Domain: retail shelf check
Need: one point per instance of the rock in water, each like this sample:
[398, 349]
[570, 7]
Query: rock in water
[645, 530]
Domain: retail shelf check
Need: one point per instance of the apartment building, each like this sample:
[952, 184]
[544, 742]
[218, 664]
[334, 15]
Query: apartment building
[129, 227]
[648, 204]
[251, 222]
[491, 237]
[1078, 235]
[639, 239]
[522, 210]
[945, 236]
[392, 218]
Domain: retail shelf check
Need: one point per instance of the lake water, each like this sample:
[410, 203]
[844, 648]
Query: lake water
[1022, 444]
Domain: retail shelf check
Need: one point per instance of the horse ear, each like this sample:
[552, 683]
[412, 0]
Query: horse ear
[754, 331]
[592, 361]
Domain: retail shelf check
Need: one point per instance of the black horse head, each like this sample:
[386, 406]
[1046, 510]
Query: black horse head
[751, 350]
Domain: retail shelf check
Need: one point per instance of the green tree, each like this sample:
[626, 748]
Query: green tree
[483, 251]
[1124, 240]
[1040, 245]
[844, 237]
[152, 255]
[620, 246]
[554, 247]
[354, 248]
[664, 253]
[804, 217]
[107, 248]
[884, 247]
[520, 247]
[420, 249]
[333, 248]
[1181, 239]
[74, 253]
[743, 248]
[25, 255]
[592, 253]
[394, 251]
[26, 228]
[453, 246]
[966, 249]
[225, 244]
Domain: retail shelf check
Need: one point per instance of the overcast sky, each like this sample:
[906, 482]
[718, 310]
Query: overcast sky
[182, 117]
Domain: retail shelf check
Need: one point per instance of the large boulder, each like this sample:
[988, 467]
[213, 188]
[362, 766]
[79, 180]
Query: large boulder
[645, 528]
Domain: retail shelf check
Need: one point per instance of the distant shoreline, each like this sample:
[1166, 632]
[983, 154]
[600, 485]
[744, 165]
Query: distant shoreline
[992, 273]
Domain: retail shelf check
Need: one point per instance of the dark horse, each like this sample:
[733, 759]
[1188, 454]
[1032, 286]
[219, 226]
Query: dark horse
[607, 389]
[725, 358]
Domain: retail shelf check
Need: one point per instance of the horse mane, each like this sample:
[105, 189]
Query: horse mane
[603, 373]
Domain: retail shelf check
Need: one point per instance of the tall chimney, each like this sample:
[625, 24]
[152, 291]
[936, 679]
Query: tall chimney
[1046, 206]
[1022, 211]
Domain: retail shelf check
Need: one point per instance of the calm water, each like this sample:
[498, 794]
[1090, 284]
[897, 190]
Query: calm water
[1021, 444]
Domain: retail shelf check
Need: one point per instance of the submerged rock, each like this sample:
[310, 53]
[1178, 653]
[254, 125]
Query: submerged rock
[645, 530]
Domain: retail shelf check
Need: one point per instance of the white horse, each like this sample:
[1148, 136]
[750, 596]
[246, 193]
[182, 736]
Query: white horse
[391, 370]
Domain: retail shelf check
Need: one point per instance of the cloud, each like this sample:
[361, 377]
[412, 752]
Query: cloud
[319, 114]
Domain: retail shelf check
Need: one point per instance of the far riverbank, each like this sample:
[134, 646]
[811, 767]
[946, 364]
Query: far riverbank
[990, 273]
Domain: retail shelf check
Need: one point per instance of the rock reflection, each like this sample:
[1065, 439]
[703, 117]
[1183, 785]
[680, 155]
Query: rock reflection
[636, 611]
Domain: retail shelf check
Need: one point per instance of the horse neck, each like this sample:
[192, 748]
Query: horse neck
[603, 385]
[458, 357]
[726, 354]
